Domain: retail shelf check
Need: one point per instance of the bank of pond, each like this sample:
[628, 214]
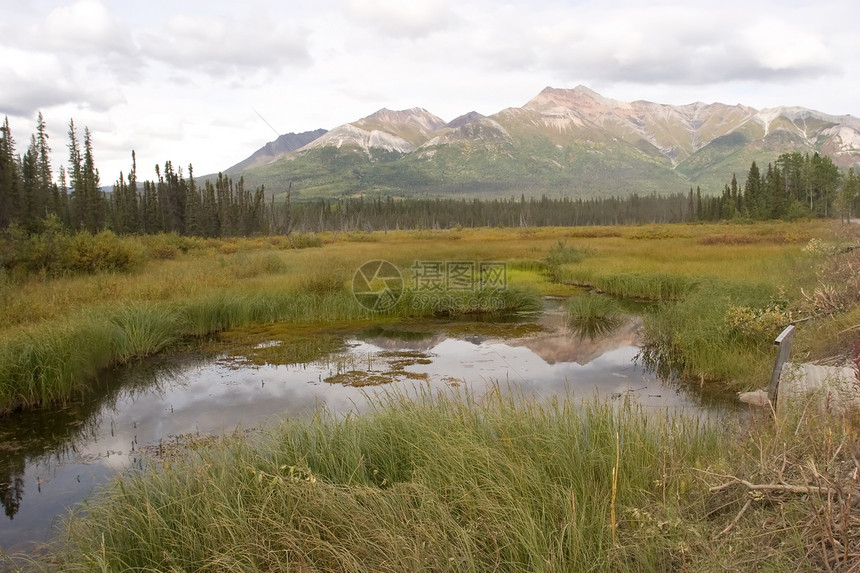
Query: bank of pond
[255, 376]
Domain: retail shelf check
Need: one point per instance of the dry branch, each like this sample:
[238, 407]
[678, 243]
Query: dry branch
[778, 487]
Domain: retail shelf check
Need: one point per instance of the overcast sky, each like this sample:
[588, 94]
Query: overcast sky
[208, 82]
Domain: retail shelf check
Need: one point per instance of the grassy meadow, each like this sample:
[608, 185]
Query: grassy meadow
[469, 483]
[58, 330]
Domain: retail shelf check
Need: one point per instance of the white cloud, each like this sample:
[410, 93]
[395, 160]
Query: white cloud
[781, 46]
[670, 45]
[34, 81]
[220, 45]
[86, 27]
[414, 18]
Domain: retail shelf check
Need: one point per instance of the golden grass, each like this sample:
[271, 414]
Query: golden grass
[762, 257]
[248, 265]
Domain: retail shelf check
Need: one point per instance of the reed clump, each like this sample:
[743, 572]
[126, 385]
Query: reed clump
[594, 315]
[648, 286]
[52, 364]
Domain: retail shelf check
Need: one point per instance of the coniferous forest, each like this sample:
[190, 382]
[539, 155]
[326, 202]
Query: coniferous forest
[794, 186]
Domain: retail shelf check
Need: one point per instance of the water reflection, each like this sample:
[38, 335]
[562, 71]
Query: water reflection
[50, 460]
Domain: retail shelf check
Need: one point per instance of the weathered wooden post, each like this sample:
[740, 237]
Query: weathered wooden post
[784, 342]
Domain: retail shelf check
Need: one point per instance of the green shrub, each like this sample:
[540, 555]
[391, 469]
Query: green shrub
[305, 240]
[692, 336]
[560, 255]
[36, 252]
[167, 245]
[563, 254]
[102, 252]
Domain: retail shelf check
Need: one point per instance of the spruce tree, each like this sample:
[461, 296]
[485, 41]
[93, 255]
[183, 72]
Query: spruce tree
[44, 174]
[9, 178]
[753, 194]
[77, 203]
[193, 207]
[93, 200]
[30, 206]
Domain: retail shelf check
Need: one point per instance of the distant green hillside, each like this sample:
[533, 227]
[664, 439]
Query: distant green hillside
[561, 143]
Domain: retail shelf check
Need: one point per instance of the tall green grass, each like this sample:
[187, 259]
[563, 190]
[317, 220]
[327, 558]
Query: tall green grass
[592, 316]
[500, 482]
[649, 286]
[437, 483]
[692, 337]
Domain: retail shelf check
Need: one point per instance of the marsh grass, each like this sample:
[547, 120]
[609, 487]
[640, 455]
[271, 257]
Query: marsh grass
[498, 482]
[248, 265]
[562, 254]
[513, 299]
[54, 364]
[442, 483]
[501, 483]
[692, 338]
[654, 287]
[592, 316]
[142, 330]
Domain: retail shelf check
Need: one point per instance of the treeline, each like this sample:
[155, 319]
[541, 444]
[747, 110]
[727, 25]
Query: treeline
[170, 203]
[794, 186]
[387, 213]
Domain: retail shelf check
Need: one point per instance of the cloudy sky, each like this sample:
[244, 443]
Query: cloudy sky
[208, 82]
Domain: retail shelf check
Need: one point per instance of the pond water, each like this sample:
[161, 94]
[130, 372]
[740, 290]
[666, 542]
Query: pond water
[51, 460]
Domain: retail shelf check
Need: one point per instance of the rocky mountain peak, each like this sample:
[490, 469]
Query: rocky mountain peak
[570, 141]
[580, 99]
[464, 119]
[415, 125]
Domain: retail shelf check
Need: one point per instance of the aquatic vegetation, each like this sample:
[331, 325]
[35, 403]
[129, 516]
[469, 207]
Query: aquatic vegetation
[655, 287]
[384, 368]
[592, 316]
[693, 338]
[562, 254]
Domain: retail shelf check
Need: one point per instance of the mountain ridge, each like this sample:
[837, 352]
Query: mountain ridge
[565, 142]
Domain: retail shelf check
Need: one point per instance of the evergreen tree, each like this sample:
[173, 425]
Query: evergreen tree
[211, 218]
[9, 177]
[131, 204]
[845, 203]
[77, 202]
[30, 205]
[150, 211]
[94, 204]
[193, 207]
[753, 193]
[44, 174]
[61, 198]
